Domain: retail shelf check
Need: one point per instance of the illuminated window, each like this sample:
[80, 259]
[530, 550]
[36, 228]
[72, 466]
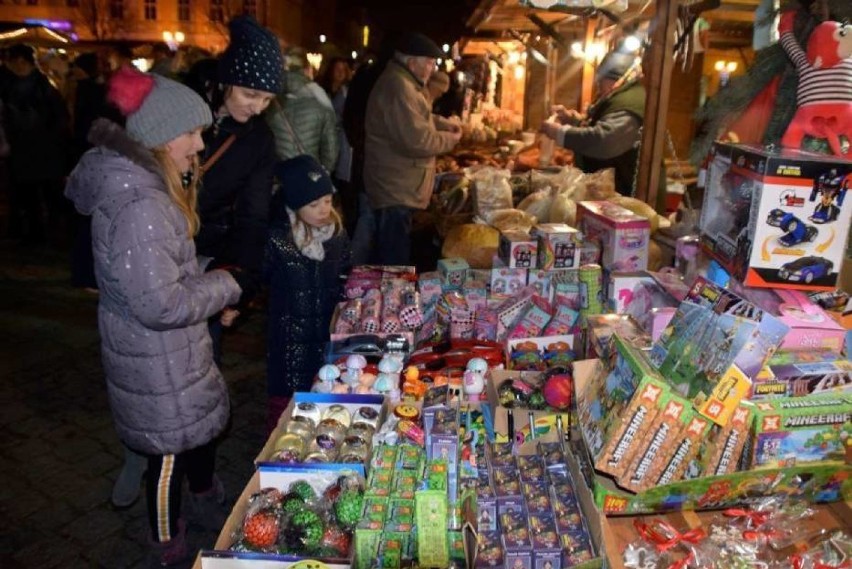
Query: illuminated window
[183, 10]
[116, 9]
[250, 7]
[150, 9]
[217, 11]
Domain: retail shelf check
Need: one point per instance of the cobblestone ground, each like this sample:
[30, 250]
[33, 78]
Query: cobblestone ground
[58, 451]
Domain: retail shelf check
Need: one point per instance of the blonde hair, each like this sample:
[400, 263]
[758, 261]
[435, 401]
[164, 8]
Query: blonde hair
[184, 196]
[309, 232]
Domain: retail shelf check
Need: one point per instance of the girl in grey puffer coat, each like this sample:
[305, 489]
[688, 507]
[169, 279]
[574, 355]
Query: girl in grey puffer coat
[168, 399]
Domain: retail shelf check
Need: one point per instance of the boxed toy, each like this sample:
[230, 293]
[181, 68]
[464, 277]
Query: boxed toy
[453, 271]
[618, 406]
[620, 287]
[804, 375]
[558, 246]
[430, 286]
[811, 328]
[713, 347]
[517, 250]
[623, 235]
[506, 282]
[816, 429]
[600, 328]
[720, 451]
[659, 444]
[777, 218]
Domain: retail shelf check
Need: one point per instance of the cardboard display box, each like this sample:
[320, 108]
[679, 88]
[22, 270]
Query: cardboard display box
[824, 483]
[220, 557]
[322, 400]
[777, 219]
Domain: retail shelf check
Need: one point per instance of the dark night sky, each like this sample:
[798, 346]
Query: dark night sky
[442, 20]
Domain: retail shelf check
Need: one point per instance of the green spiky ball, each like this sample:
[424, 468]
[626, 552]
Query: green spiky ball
[348, 508]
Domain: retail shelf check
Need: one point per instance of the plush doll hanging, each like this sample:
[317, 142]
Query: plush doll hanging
[824, 94]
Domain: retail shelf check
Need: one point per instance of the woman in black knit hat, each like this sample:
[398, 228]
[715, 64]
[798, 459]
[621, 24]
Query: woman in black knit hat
[239, 153]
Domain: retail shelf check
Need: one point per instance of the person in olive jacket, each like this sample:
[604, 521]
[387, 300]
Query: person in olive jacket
[306, 255]
[403, 138]
[239, 154]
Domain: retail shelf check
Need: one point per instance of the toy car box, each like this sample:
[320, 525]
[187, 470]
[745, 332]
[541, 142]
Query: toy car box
[716, 343]
[777, 219]
[623, 235]
[801, 431]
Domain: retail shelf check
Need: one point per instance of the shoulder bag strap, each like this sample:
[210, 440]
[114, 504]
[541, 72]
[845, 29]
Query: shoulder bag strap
[292, 133]
[218, 154]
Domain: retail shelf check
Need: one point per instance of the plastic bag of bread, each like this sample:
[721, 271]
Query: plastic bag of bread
[537, 204]
[510, 220]
[474, 242]
[492, 189]
[639, 208]
[563, 210]
[563, 180]
[599, 185]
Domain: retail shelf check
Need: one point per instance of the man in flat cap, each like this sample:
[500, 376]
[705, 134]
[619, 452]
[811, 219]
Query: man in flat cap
[402, 139]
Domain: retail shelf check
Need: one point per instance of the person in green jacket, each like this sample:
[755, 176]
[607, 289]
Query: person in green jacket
[608, 135]
[302, 117]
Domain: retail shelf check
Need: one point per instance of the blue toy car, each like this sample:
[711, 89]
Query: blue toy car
[795, 230]
[806, 269]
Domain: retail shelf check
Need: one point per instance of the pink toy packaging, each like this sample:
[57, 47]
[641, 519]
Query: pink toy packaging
[811, 328]
[777, 219]
[623, 235]
[506, 282]
[475, 294]
[541, 281]
[620, 289]
[430, 286]
[558, 246]
[517, 250]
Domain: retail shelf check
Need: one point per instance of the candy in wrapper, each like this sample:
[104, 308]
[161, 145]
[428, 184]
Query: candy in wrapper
[485, 325]
[412, 432]
[343, 327]
[391, 324]
[461, 323]
[351, 311]
[370, 325]
[411, 317]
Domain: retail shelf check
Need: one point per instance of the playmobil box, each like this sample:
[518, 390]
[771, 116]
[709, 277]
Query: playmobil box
[714, 346]
[623, 235]
[777, 219]
[558, 246]
[805, 373]
[810, 430]
[517, 250]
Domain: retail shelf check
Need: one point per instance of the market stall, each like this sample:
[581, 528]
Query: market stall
[559, 393]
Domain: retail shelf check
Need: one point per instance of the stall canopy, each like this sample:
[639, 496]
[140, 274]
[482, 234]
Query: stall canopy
[32, 34]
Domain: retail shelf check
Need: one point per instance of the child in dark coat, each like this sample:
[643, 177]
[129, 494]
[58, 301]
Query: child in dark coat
[307, 252]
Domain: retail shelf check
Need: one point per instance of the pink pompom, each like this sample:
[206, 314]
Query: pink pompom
[128, 88]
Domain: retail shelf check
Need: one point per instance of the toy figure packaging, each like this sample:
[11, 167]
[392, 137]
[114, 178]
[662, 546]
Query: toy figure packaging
[618, 406]
[453, 271]
[809, 430]
[807, 373]
[713, 347]
[623, 235]
[558, 246]
[517, 250]
[777, 219]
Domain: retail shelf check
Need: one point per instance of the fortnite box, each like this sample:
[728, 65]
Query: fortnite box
[713, 347]
[777, 219]
[810, 430]
[802, 373]
[623, 235]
